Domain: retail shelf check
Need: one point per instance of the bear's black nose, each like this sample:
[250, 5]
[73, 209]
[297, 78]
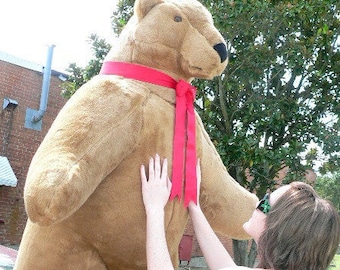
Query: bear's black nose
[222, 51]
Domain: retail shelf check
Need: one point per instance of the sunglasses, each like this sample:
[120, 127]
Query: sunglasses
[264, 205]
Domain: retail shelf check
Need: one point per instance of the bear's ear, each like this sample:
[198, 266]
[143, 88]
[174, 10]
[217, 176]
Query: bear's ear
[142, 7]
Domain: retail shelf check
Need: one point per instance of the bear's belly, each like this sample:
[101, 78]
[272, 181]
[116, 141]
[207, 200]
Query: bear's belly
[114, 223]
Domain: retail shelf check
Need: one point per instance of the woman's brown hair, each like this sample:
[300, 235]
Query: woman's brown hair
[302, 231]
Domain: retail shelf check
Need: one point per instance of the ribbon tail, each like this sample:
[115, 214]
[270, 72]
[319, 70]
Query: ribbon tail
[190, 193]
[178, 155]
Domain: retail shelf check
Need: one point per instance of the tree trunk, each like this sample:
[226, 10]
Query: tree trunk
[240, 252]
[252, 254]
[241, 255]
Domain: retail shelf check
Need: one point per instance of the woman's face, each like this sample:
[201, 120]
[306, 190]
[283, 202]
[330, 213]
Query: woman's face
[257, 223]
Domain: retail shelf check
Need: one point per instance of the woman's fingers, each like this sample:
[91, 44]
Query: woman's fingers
[156, 170]
[151, 169]
[198, 173]
[156, 187]
[142, 174]
[168, 183]
[157, 166]
[164, 170]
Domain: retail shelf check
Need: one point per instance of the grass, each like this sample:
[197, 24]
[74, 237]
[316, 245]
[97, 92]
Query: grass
[335, 265]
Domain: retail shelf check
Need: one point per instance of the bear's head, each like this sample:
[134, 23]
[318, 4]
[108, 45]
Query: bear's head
[177, 37]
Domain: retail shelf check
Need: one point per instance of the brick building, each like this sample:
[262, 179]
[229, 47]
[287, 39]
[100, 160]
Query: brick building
[20, 93]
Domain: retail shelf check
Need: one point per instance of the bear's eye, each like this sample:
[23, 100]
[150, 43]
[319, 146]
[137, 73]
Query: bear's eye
[178, 19]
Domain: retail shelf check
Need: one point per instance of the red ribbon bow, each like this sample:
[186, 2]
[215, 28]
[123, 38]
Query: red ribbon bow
[185, 124]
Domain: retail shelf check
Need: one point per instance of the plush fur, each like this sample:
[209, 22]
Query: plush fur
[83, 192]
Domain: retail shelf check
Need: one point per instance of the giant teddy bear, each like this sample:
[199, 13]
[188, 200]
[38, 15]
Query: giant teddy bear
[83, 193]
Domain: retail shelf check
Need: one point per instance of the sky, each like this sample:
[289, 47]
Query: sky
[27, 27]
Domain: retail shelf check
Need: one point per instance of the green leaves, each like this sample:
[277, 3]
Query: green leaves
[78, 75]
[281, 82]
[121, 15]
[328, 187]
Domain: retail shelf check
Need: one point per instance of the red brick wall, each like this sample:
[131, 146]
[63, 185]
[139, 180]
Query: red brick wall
[18, 143]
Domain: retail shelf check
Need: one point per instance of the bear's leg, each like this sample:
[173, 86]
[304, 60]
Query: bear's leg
[55, 248]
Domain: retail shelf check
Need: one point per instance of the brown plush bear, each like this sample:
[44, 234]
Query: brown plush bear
[83, 191]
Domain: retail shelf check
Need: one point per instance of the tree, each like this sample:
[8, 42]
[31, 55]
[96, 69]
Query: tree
[121, 15]
[328, 187]
[78, 75]
[100, 48]
[279, 93]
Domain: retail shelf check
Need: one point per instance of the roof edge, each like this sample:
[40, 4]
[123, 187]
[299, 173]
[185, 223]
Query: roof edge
[9, 58]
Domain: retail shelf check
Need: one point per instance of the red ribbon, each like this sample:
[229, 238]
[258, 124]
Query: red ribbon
[185, 124]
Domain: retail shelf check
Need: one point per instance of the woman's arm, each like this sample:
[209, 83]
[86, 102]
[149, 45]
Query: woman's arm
[215, 254]
[156, 192]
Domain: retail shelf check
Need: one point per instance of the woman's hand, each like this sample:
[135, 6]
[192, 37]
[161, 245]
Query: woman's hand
[156, 192]
[156, 189]
[192, 205]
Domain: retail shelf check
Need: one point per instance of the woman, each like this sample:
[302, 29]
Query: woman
[293, 227]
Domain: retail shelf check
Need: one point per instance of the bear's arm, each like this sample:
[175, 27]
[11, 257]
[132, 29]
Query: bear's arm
[94, 131]
[225, 203]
